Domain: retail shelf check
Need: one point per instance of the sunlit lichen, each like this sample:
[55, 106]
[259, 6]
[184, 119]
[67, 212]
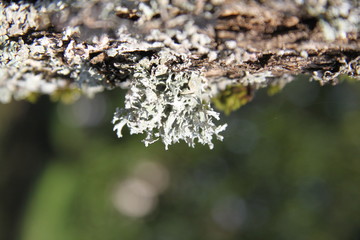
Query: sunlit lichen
[170, 106]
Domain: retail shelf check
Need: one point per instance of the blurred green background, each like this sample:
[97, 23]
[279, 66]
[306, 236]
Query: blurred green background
[288, 168]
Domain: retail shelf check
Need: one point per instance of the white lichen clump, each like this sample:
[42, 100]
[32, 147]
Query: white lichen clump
[168, 105]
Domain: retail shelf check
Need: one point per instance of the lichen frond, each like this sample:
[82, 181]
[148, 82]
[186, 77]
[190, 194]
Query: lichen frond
[170, 106]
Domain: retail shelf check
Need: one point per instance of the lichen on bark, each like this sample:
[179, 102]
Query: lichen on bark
[195, 50]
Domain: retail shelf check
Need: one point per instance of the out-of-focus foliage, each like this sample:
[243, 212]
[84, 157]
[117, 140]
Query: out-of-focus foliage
[66, 95]
[273, 89]
[288, 169]
[232, 98]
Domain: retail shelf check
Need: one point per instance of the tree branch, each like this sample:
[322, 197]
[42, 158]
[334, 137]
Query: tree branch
[55, 47]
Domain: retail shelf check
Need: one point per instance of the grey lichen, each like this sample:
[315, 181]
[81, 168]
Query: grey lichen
[18, 67]
[17, 19]
[35, 65]
[168, 105]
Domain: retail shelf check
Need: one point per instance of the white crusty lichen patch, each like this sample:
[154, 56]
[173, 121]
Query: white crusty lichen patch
[168, 106]
[30, 68]
[35, 64]
[17, 19]
[337, 18]
[35, 68]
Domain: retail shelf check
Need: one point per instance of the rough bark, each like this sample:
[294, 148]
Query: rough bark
[277, 36]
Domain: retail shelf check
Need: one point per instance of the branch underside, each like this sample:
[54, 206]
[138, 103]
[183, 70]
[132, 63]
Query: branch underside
[173, 56]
